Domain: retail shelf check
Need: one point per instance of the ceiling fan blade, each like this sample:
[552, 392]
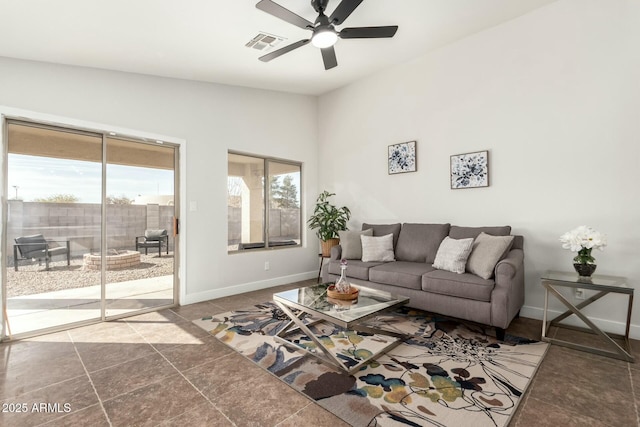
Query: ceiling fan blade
[343, 11]
[285, 14]
[368, 32]
[276, 53]
[329, 58]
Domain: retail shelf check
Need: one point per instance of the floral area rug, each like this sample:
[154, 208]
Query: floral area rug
[449, 373]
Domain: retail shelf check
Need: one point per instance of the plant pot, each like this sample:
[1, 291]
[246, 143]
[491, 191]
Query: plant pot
[585, 270]
[327, 245]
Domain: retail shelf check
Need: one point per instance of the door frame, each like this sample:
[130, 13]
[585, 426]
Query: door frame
[9, 113]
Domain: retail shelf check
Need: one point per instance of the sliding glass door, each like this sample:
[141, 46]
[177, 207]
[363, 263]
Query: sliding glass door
[89, 229]
[140, 208]
[54, 179]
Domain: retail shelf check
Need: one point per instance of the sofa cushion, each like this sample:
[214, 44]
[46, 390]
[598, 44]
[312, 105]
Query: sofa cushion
[351, 243]
[377, 248]
[384, 229]
[464, 285]
[452, 254]
[457, 232]
[400, 273]
[355, 268]
[487, 251]
[420, 242]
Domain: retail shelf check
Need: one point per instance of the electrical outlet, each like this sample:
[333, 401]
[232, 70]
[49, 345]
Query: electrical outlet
[580, 293]
[266, 266]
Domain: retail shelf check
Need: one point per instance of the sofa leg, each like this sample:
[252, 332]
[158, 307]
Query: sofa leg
[518, 314]
[500, 333]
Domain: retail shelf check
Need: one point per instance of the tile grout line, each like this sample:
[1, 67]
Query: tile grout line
[120, 363]
[191, 320]
[310, 404]
[185, 378]
[633, 393]
[569, 410]
[86, 371]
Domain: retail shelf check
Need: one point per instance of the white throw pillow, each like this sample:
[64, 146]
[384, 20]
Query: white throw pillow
[487, 251]
[377, 248]
[351, 244]
[452, 254]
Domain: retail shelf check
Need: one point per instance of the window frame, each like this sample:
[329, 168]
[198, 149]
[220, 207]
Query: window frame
[266, 192]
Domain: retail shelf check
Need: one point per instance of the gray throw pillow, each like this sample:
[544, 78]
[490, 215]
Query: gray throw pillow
[452, 254]
[351, 244]
[377, 248]
[487, 251]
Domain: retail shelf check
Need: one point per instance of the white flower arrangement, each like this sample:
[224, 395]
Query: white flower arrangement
[582, 240]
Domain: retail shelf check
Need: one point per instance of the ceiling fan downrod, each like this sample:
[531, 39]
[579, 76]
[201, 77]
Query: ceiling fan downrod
[319, 5]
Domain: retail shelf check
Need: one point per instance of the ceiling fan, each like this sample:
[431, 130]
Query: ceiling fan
[324, 33]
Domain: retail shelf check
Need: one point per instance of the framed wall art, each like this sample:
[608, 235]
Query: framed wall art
[402, 157]
[470, 170]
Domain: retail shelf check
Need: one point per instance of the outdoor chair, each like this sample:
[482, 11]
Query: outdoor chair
[37, 247]
[153, 239]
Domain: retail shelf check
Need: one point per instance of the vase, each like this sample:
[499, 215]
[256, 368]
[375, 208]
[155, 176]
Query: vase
[585, 270]
[342, 285]
[327, 245]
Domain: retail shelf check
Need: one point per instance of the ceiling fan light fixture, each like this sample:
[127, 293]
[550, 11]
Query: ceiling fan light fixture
[324, 34]
[323, 38]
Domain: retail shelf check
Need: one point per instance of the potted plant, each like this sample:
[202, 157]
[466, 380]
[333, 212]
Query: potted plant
[328, 220]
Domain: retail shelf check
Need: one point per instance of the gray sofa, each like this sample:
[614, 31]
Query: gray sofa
[494, 301]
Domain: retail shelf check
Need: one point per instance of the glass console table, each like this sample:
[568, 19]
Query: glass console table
[602, 285]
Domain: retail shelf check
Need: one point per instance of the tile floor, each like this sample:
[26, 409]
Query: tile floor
[160, 369]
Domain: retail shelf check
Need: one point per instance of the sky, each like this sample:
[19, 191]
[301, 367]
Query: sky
[40, 177]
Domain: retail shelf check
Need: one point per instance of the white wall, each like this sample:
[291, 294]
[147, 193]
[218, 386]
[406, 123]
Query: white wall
[553, 95]
[212, 119]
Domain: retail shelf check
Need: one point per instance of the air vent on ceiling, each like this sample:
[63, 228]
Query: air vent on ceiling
[264, 41]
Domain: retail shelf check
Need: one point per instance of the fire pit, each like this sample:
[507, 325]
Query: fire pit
[115, 260]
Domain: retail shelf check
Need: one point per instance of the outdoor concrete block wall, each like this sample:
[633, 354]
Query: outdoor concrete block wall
[284, 224]
[80, 224]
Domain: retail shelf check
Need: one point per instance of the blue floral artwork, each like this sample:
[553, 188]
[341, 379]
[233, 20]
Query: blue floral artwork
[402, 157]
[470, 170]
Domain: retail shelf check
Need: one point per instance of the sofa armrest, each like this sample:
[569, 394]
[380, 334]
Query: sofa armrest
[336, 252]
[508, 266]
[507, 297]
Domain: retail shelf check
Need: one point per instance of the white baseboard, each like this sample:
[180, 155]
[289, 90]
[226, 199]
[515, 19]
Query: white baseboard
[246, 287]
[605, 325]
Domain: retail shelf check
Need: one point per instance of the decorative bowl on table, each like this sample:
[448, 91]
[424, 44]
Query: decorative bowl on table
[351, 295]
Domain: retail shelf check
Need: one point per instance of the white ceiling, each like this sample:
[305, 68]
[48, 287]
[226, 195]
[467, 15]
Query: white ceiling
[205, 40]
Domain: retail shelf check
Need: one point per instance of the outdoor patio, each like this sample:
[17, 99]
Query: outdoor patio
[38, 299]
[32, 278]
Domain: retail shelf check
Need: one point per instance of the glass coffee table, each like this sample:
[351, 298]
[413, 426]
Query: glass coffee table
[314, 303]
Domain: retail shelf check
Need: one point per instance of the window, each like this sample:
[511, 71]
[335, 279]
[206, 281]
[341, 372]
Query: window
[263, 203]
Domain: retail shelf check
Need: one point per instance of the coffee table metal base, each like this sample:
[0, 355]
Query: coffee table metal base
[297, 324]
